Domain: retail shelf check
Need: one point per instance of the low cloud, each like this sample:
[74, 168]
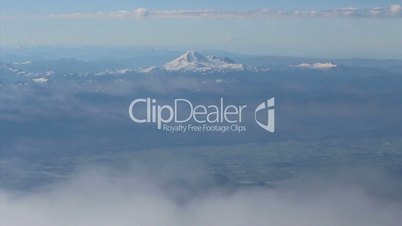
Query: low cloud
[97, 197]
[390, 11]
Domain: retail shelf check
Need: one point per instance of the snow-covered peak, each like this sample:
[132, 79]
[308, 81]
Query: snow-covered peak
[192, 61]
[319, 66]
[192, 56]
[189, 60]
[120, 71]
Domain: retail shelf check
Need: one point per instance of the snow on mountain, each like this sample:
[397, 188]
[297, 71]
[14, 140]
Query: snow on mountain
[152, 69]
[121, 71]
[11, 69]
[192, 61]
[221, 60]
[318, 66]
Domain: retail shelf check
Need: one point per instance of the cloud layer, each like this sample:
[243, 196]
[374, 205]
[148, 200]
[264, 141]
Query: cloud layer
[391, 11]
[97, 197]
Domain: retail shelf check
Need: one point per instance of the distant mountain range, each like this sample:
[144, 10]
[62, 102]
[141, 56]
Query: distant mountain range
[191, 62]
[87, 59]
[194, 62]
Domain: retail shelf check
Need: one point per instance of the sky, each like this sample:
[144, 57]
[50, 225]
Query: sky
[325, 28]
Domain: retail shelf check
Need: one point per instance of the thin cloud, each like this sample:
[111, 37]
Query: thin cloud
[391, 11]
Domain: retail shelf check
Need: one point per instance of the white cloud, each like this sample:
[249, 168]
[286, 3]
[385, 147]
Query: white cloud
[391, 11]
[40, 80]
[22, 63]
[395, 9]
[97, 197]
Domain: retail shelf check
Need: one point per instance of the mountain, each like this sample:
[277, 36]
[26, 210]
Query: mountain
[192, 61]
[317, 66]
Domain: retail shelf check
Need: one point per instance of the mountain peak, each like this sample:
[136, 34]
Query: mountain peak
[318, 66]
[191, 52]
[192, 56]
[193, 61]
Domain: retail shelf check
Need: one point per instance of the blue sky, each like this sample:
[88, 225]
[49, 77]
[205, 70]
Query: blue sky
[304, 28]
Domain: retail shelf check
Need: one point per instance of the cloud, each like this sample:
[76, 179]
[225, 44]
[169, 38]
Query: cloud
[97, 196]
[395, 9]
[40, 80]
[391, 11]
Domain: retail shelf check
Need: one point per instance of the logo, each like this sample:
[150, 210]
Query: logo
[270, 126]
[181, 115]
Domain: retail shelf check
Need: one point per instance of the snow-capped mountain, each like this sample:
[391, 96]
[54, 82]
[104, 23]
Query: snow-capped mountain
[19, 72]
[192, 61]
[121, 71]
[318, 66]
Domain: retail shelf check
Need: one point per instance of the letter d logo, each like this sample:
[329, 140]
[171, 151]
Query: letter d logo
[270, 126]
